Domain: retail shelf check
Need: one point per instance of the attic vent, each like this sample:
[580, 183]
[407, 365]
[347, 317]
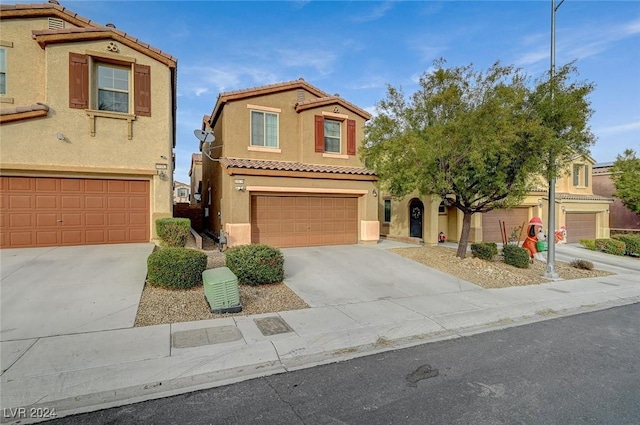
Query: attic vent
[56, 24]
[300, 94]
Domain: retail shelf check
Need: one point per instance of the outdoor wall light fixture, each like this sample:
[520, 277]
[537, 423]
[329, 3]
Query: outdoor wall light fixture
[540, 203]
[375, 193]
[564, 210]
[59, 136]
[240, 188]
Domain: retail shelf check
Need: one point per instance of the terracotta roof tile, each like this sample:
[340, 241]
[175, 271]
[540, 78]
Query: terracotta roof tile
[257, 164]
[578, 197]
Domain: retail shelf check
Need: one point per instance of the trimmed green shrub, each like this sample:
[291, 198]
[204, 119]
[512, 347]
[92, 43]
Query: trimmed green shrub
[256, 264]
[484, 250]
[516, 256]
[610, 246]
[176, 268]
[173, 231]
[581, 264]
[589, 244]
[632, 244]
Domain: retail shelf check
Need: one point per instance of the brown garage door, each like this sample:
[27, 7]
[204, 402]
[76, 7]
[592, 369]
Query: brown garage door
[512, 217]
[284, 221]
[580, 226]
[39, 211]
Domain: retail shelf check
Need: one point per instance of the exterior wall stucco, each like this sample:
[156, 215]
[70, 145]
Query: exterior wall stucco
[31, 147]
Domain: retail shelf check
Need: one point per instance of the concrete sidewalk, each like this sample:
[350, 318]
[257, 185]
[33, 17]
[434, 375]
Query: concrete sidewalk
[90, 371]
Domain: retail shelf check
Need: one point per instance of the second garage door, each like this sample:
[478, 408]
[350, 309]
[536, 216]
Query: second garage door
[580, 226]
[288, 221]
[44, 211]
[513, 218]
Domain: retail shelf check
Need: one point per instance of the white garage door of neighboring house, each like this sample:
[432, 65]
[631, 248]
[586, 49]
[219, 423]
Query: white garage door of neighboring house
[580, 226]
[512, 217]
[288, 221]
[45, 211]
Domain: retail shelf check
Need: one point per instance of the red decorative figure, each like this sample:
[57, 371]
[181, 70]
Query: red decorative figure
[533, 228]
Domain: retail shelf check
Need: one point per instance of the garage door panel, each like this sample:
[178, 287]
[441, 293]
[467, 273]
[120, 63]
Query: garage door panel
[580, 226]
[306, 220]
[43, 211]
[512, 217]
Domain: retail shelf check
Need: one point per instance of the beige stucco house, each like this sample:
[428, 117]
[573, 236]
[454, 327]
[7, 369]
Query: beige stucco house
[423, 218]
[195, 176]
[181, 192]
[286, 170]
[621, 218]
[87, 130]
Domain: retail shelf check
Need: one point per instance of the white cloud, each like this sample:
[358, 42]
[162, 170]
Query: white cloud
[321, 60]
[620, 128]
[376, 13]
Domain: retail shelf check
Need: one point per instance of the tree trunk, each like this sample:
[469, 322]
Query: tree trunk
[464, 236]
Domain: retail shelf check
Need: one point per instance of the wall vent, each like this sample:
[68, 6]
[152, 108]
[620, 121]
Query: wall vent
[56, 24]
[300, 94]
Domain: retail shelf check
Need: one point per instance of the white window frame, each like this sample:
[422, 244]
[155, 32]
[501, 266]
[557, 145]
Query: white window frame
[3, 69]
[264, 129]
[183, 192]
[95, 89]
[580, 175]
[339, 138]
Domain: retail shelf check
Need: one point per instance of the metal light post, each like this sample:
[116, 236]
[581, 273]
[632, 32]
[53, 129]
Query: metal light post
[550, 272]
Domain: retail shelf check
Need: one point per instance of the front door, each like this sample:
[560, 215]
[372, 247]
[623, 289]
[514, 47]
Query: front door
[416, 210]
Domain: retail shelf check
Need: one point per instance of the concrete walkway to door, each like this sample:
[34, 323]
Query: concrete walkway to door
[71, 289]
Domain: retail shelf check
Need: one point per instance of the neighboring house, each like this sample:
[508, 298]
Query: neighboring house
[621, 218]
[195, 172]
[584, 214]
[286, 169]
[181, 192]
[87, 127]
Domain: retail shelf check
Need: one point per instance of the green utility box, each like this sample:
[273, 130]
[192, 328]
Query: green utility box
[221, 290]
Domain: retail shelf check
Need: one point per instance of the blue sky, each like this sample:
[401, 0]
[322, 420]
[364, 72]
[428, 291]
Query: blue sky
[355, 48]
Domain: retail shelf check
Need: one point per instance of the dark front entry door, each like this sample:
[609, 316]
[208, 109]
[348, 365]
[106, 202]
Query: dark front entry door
[416, 210]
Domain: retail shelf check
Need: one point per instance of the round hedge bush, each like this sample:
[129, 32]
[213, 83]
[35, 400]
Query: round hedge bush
[176, 268]
[516, 256]
[256, 264]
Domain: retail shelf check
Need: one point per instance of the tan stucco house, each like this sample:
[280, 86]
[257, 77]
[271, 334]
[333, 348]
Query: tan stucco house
[621, 218]
[181, 192]
[423, 218]
[87, 130]
[285, 168]
[195, 176]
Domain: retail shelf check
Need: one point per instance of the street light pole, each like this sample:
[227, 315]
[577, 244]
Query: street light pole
[550, 272]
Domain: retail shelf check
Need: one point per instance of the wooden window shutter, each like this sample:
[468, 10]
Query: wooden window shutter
[351, 137]
[78, 81]
[142, 90]
[319, 133]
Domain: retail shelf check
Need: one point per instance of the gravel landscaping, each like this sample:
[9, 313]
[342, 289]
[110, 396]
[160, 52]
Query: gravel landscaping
[158, 305]
[489, 274]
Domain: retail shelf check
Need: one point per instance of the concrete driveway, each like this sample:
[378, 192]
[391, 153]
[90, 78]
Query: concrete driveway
[65, 290]
[346, 274]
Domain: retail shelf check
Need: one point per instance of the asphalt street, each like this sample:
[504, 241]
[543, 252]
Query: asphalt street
[583, 369]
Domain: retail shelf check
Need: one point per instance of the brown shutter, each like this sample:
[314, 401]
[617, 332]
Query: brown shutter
[351, 137]
[142, 90]
[319, 133]
[78, 81]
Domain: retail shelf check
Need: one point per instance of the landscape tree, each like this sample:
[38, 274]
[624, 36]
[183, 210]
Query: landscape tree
[626, 177]
[475, 138]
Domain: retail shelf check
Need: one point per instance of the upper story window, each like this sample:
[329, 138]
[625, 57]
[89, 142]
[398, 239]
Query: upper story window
[332, 136]
[113, 88]
[264, 129]
[3, 71]
[580, 175]
[183, 192]
[442, 208]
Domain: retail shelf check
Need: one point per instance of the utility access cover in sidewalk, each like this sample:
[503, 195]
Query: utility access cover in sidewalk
[205, 336]
[273, 325]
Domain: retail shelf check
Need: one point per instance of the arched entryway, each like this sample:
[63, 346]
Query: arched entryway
[416, 211]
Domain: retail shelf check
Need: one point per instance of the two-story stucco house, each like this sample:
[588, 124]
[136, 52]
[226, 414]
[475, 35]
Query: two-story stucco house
[583, 214]
[285, 168]
[87, 130]
[621, 218]
[195, 176]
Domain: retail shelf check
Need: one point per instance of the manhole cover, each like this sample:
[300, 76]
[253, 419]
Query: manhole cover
[205, 336]
[272, 326]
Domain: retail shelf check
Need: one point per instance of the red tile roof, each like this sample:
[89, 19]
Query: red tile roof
[578, 197]
[258, 164]
[329, 100]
